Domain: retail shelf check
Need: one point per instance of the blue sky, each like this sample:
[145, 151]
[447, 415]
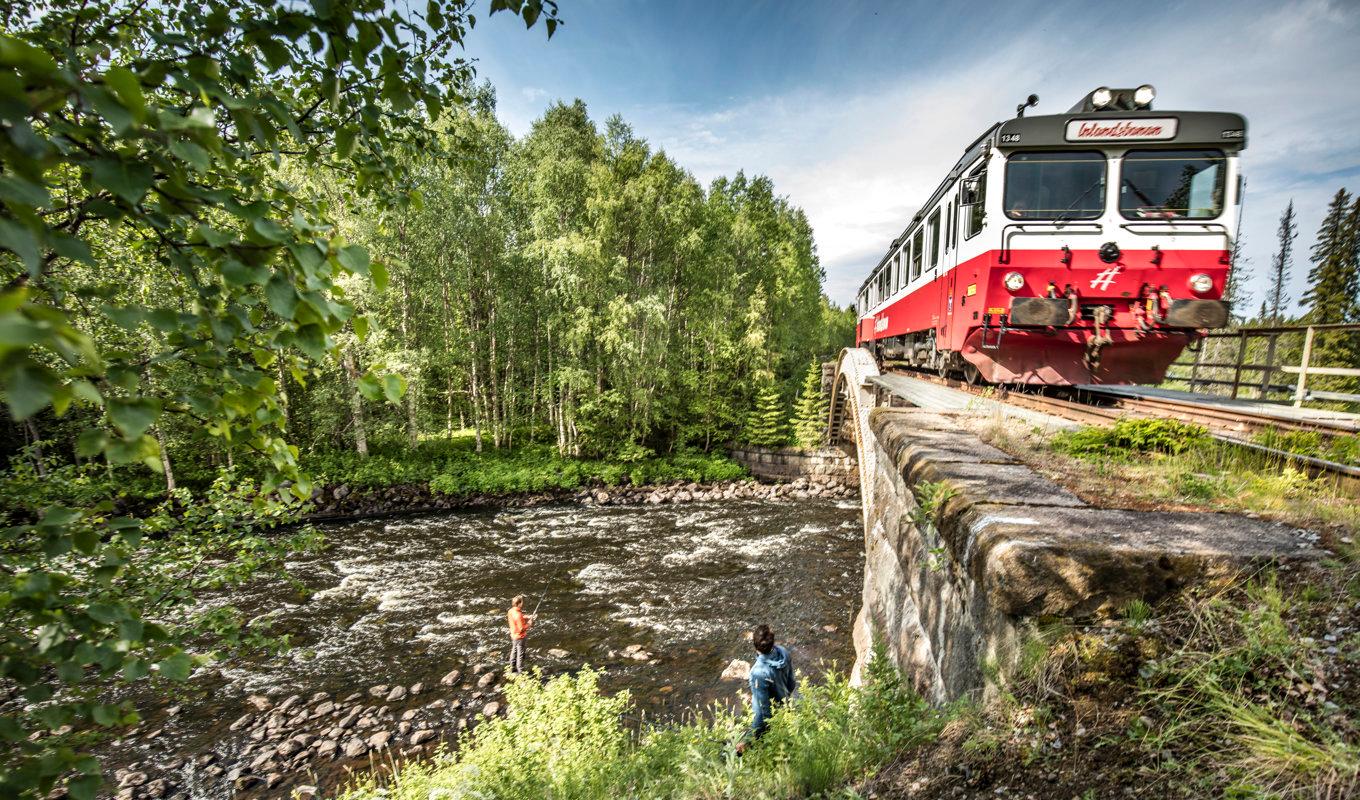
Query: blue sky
[857, 109]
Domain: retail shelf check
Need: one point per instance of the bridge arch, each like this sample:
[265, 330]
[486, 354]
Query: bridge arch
[848, 420]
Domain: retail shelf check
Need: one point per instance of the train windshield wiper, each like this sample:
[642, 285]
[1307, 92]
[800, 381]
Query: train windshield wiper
[1066, 216]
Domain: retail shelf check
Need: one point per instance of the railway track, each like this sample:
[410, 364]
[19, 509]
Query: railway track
[1098, 408]
[1232, 426]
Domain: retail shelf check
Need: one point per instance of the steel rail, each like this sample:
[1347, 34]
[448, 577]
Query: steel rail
[1346, 474]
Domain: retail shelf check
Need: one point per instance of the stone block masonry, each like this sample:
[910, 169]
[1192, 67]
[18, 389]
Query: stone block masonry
[967, 550]
[824, 465]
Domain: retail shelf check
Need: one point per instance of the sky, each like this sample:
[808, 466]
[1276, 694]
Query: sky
[857, 110]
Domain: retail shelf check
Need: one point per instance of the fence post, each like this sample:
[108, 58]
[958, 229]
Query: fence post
[1199, 357]
[1269, 371]
[1300, 388]
[1241, 356]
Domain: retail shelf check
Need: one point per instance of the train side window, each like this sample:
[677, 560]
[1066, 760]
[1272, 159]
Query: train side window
[935, 239]
[975, 203]
[897, 270]
[955, 223]
[948, 225]
[916, 252]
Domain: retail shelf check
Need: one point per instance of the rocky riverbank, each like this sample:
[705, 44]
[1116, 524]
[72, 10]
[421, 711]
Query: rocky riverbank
[343, 502]
[281, 744]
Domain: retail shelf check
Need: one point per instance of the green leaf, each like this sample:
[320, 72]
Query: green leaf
[270, 230]
[344, 141]
[177, 667]
[129, 90]
[370, 387]
[133, 416]
[379, 273]
[29, 389]
[18, 239]
[91, 442]
[106, 715]
[312, 340]
[84, 787]
[20, 191]
[281, 295]
[354, 258]
[86, 540]
[102, 612]
[361, 328]
[72, 248]
[394, 386]
[191, 154]
[126, 180]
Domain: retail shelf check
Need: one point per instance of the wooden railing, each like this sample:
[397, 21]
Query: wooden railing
[1206, 371]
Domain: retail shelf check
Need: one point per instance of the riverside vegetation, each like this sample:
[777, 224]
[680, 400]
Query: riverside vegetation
[564, 738]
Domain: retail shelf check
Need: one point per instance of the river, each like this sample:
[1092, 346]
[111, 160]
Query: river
[404, 601]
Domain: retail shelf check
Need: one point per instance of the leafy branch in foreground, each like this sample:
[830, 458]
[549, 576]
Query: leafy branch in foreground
[154, 261]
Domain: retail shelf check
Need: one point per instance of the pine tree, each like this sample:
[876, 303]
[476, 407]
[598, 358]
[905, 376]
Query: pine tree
[809, 423]
[766, 426]
[1276, 297]
[1333, 280]
[1333, 286]
[1235, 293]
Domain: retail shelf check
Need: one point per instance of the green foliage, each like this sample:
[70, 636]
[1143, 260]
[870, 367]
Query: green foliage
[86, 584]
[766, 425]
[1343, 449]
[1133, 435]
[810, 414]
[161, 272]
[564, 739]
[930, 496]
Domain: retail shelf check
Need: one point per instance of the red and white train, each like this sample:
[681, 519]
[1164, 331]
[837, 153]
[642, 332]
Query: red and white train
[1086, 247]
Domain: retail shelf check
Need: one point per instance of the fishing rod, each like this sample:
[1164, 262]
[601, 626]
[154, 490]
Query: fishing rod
[534, 613]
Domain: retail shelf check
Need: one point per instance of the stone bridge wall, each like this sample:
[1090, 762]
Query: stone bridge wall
[828, 464]
[966, 549]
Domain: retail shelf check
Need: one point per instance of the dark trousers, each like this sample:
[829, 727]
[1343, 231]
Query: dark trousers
[516, 655]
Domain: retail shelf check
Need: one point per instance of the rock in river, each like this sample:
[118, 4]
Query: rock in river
[451, 679]
[738, 670]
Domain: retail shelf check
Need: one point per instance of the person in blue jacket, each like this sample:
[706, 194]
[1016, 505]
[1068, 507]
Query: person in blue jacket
[772, 681]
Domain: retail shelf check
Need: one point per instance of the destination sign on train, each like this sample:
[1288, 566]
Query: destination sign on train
[1119, 130]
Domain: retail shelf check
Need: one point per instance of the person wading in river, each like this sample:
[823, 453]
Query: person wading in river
[520, 623]
[772, 682]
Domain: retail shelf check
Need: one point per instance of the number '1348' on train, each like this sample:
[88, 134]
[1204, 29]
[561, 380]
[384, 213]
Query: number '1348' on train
[1086, 247]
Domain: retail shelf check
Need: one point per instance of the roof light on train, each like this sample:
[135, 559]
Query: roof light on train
[1014, 281]
[1102, 97]
[1201, 283]
[1144, 95]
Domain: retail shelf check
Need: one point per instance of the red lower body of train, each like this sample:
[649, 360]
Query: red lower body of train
[1077, 318]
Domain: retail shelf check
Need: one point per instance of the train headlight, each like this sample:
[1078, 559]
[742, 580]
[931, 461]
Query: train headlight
[1144, 95]
[1014, 281]
[1201, 283]
[1102, 97]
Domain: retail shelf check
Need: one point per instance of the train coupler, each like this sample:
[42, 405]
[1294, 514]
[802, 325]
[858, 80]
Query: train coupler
[987, 328]
[1098, 340]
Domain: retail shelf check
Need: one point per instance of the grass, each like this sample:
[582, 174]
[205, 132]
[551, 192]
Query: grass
[564, 739]
[1247, 694]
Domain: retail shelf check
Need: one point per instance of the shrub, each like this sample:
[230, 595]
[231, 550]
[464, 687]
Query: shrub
[564, 739]
[1130, 435]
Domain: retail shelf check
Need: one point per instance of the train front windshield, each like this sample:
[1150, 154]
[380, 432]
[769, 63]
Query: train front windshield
[1057, 185]
[1172, 184]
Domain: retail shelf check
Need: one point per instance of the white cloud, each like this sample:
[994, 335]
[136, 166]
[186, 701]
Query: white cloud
[860, 161]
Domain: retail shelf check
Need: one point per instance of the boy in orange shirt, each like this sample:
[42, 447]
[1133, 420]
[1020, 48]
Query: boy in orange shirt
[520, 623]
